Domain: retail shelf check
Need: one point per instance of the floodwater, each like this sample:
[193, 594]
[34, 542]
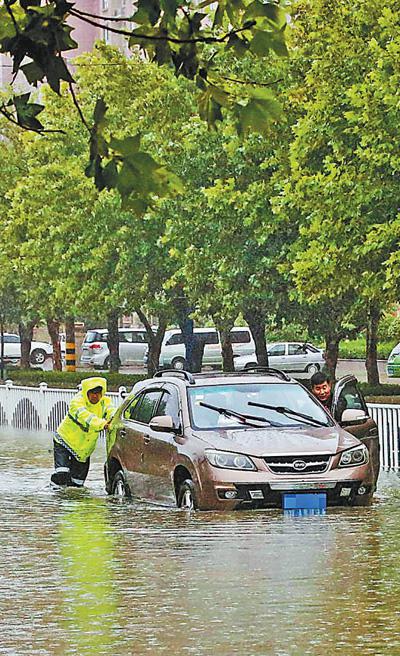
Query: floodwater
[81, 573]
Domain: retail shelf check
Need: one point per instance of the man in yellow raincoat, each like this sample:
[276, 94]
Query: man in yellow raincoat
[89, 413]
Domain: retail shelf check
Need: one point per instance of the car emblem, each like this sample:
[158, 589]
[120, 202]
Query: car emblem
[299, 465]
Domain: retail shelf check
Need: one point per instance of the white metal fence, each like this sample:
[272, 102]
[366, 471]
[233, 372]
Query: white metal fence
[42, 408]
[39, 408]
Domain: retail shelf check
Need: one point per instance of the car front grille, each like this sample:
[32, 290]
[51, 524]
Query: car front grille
[298, 464]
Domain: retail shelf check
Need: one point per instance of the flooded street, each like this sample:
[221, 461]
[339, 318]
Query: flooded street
[81, 573]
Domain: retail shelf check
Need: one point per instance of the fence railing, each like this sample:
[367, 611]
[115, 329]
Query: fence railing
[39, 408]
[42, 408]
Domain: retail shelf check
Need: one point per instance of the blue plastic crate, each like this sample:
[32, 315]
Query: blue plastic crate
[311, 501]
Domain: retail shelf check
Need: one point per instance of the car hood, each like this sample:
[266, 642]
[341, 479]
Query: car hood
[283, 441]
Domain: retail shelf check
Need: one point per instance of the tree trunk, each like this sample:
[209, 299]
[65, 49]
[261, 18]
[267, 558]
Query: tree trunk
[197, 353]
[224, 330]
[53, 327]
[332, 342]
[257, 325]
[113, 341]
[371, 359]
[70, 344]
[154, 340]
[26, 335]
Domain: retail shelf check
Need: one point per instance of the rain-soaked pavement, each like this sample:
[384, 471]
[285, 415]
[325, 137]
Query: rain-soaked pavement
[83, 574]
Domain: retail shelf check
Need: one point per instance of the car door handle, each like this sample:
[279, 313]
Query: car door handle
[146, 439]
[122, 432]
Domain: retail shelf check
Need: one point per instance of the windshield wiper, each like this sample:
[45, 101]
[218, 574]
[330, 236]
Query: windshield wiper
[238, 415]
[287, 411]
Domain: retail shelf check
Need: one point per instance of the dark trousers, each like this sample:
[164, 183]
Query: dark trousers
[68, 470]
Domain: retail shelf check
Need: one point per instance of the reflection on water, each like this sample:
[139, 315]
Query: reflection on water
[82, 574]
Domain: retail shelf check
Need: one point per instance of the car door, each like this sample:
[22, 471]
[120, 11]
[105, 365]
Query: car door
[347, 396]
[12, 347]
[297, 357]
[131, 435]
[160, 450]
[138, 346]
[277, 356]
[212, 348]
[124, 338]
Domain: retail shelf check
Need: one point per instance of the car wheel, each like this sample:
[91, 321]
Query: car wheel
[178, 364]
[312, 369]
[106, 364]
[250, 365]
[38, 356]
[187, 496]
[119, 487]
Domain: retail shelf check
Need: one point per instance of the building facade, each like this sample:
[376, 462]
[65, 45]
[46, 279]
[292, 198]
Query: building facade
[84, 34]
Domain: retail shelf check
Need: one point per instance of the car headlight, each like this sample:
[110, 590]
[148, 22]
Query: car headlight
[226, 460]
[358, 455]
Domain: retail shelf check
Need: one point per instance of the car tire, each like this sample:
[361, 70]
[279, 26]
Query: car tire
[187, 495]
[178, 364]
[250, 365]
[119, 487]
[38, 356]
[106, 364]
[312, 369]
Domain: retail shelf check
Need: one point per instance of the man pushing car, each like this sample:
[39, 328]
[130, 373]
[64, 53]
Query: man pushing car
[89, 412]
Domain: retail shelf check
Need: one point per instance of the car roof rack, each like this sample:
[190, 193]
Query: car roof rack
[256, 369]
[174, 372]
[268, 370]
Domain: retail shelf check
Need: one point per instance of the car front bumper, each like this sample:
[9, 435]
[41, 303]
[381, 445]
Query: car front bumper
[224, 489]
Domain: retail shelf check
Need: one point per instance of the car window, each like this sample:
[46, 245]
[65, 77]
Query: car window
[311, 348]
[139, 338]
[296, 349]
[148, 405]
[240, 337]
[237, 396]
[11, 339]
[278, 349]
[174, 339]
[124, 337]
[131, 410]
[209, 337]
[169, 405]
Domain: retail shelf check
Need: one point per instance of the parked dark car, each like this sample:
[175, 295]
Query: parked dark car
[225, 441]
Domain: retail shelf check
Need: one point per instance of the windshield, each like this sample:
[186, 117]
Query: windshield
[237, 396]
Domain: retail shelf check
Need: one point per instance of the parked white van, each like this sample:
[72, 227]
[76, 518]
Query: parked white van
[172, 354]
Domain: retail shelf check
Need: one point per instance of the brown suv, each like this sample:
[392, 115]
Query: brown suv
[224, 441]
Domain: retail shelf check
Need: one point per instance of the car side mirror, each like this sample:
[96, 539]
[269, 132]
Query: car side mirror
[353, 416]
[163, 424]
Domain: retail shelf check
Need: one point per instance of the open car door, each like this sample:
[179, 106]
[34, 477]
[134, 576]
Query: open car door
[350, 410]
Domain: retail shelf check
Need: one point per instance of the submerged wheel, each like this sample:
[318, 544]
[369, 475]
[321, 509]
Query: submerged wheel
[187, 495]
[119, 487]
[178, 363]
[312, 369]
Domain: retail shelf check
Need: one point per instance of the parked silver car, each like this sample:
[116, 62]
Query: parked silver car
[132, 346]
[287, 356]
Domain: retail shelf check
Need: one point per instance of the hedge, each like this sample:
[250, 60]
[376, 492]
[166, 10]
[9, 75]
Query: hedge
[68, 379]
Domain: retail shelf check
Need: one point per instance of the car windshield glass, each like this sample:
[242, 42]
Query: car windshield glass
[237, 396]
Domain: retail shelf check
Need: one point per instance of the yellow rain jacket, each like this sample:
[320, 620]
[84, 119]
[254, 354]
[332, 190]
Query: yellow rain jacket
[79, 430]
